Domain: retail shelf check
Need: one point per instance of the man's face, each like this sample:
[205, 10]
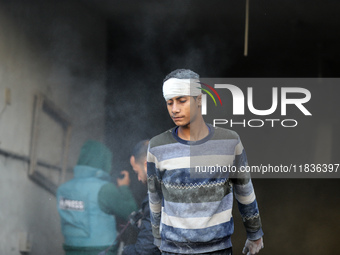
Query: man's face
[139, 168]
[183, 109]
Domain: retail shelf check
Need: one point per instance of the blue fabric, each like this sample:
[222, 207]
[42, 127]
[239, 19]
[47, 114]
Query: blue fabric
[206, 209]
[228, 251]
[179, 237]
[83, 223]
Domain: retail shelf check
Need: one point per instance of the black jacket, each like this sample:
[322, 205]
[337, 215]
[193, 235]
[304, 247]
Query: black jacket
[144, 244]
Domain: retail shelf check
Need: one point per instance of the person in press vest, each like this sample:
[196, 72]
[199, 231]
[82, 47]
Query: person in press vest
[89, 203]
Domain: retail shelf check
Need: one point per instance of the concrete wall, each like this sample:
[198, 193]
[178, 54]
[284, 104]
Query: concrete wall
[58, 49]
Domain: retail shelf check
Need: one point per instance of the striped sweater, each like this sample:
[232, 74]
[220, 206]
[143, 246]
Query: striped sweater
[191, 211]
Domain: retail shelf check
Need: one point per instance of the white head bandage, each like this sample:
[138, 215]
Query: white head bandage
[181, 87]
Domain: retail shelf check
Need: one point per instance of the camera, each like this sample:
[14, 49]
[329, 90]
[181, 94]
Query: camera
[134, 217]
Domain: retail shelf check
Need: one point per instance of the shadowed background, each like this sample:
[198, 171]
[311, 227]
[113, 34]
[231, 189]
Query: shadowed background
[286, 39]
[103, 63]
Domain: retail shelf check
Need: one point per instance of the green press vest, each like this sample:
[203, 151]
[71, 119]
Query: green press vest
[83, 223]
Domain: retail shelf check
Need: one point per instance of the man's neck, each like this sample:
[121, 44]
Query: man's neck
[194, 131]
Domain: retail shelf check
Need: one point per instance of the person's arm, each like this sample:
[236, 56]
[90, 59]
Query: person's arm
[144, 244]
[115, 200]
[246, 199]
[155, 196]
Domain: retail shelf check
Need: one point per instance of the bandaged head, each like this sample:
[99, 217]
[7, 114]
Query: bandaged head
[174, 87]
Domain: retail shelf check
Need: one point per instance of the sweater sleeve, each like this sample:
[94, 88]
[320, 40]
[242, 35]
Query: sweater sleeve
[115, 200]
[245, 196]
[155, 196]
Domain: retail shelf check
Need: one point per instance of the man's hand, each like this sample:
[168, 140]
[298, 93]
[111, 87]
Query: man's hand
[125, 180]
[253, 247]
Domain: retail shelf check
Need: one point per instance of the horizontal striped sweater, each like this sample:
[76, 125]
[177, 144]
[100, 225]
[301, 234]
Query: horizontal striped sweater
[191, 212]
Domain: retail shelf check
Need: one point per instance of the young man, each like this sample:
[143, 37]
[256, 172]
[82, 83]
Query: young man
[144, 244]
[193, 215]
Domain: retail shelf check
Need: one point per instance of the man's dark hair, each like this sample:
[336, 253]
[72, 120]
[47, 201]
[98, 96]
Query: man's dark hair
[140, 150]
[182, 74]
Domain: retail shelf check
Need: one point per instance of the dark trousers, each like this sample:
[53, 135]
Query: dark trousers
[228, 251]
